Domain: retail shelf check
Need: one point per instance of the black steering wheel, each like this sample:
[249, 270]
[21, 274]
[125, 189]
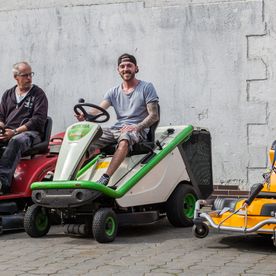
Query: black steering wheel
[89, 117]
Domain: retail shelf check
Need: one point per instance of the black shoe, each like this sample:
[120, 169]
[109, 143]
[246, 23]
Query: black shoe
[104, 179]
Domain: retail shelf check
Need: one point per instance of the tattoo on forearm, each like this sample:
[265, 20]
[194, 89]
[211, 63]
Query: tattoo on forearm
[151, 118]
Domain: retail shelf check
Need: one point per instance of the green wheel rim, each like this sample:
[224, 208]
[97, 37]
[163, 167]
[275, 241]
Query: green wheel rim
[41, 221]
[189, 205]
[110, 226]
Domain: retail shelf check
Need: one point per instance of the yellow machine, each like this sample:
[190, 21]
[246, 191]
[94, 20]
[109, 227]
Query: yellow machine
[256, 214]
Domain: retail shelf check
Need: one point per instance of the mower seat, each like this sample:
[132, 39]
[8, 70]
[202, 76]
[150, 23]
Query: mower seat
[43, 146]
[143, 147]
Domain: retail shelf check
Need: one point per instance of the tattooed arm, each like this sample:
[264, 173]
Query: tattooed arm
[151, 118]
[147, 122]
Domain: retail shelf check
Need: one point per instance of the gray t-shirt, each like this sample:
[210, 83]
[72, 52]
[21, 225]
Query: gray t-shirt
[131, 108]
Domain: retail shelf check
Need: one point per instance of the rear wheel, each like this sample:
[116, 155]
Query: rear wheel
[105, 225]
[37, 221]
[181, 205]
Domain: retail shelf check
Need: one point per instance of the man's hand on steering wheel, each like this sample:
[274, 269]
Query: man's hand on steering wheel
[80, 117]
[81, 114]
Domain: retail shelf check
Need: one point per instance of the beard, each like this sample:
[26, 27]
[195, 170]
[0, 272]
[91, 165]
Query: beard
[27, 85]
[127, 76]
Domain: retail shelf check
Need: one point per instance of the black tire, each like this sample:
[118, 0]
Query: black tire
[105, 225]
[37, 221]
[200, 231]
[181, 205]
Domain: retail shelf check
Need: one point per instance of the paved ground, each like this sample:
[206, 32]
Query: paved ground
[158, 249]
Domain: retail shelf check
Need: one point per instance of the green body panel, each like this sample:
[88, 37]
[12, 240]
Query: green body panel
[123, 189]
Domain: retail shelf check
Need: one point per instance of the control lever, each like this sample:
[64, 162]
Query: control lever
[170, 131]
[158, 144]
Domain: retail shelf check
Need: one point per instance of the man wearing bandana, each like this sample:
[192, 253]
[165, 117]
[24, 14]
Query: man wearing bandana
[136, 105]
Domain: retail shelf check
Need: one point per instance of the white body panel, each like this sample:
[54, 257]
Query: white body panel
[72, 151]
[158, 184]
[99, 168]
[154, 187]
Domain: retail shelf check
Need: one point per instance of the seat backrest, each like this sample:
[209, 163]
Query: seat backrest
[151, 133]
[43, 146]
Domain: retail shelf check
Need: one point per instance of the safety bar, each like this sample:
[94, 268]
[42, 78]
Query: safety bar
[198, 214]
[240, 229]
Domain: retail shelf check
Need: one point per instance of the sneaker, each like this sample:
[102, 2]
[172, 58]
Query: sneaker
[104, 179]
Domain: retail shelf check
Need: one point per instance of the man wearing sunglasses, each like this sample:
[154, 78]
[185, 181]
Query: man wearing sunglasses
[23, 114]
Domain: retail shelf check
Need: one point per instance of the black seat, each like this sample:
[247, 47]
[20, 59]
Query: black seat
[140, 148]
[43, 146]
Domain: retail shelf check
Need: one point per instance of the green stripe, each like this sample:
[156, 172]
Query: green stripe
[123, 189]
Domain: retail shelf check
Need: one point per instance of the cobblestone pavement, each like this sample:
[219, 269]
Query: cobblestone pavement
[158, 249]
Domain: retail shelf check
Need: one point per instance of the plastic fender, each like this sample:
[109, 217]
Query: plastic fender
[157, 185]
[31, 170]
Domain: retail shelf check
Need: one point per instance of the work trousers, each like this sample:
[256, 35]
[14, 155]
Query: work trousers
[13, 151]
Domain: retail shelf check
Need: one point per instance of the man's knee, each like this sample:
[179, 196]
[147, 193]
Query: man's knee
[123, 145]
[15, 143]
[20, 142]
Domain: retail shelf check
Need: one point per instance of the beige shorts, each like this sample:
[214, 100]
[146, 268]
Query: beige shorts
[114, 136]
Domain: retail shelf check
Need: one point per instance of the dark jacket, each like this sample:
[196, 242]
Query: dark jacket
[31, 111]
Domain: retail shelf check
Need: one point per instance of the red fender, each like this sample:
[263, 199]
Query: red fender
[29, 171]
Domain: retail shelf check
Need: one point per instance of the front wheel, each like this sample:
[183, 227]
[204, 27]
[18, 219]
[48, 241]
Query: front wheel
[105, 225]
[37, 221]
[200, 231]
[181, 205]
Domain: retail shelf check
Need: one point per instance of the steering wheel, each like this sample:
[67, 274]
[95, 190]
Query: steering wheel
[89, 117]
[2, 130]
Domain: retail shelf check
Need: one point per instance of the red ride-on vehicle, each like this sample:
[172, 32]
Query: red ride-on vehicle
[35, 165]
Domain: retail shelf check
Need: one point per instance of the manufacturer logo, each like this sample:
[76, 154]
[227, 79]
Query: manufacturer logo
[76, 132]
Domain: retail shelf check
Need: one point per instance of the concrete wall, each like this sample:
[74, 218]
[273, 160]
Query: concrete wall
[212, 63]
